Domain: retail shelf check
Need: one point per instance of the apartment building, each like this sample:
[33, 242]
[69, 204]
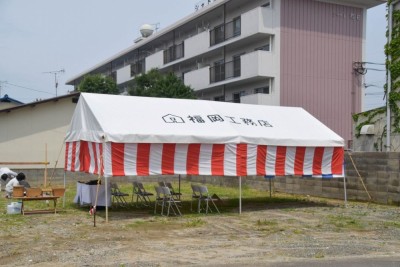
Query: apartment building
[270, 52]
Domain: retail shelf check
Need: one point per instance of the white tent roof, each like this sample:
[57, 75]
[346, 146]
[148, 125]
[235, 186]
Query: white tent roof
[129, 119]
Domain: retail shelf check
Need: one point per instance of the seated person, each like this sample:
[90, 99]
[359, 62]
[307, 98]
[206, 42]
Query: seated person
[14, 182]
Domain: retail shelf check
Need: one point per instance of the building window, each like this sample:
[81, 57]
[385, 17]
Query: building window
[137, 67]
[173, 53]
[262, 90]
[219, 71]
[236, 26]
[236, 66]
[263, 48]
[219, 34]
[236, 96]
[219, 98]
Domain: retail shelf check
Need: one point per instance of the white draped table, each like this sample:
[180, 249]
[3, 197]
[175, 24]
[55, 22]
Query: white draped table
[86, 195]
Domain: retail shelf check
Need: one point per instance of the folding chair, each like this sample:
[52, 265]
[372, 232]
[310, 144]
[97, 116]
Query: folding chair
[176, 195]
[195, 197]
[142, 196]
[168, 199]
[117, 195]
[205, 196]
[159, 201]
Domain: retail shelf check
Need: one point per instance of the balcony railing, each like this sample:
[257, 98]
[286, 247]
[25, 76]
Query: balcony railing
[221, 72]
[173, 53]
[226, 31]
[138, 67]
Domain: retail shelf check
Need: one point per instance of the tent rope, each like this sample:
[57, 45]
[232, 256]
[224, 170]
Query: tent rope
[359, 175]
[55, 164]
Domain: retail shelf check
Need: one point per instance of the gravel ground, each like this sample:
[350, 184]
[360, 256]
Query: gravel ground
[316, 229]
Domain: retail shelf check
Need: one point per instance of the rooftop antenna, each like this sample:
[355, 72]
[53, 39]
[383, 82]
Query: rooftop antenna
[55, 72]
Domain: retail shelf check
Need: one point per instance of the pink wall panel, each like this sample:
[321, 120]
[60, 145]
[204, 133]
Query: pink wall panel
[319, 43]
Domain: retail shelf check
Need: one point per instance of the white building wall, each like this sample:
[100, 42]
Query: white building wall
[124, 74]
[198, 79]
[259, 99]
[155, 60]
[33, 127]
[257, 63]
[197, 44]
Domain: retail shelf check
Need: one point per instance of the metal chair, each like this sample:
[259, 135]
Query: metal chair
[206, 198]
[117, 195]
[195, 197]
[176, 195]
[159, 201]
[168, 199]
[142, 196]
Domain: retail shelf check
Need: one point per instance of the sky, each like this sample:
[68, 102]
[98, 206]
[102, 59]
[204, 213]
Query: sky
[42, 40]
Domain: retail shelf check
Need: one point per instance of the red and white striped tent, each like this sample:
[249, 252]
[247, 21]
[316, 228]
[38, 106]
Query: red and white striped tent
[115, 135]
[142, 136]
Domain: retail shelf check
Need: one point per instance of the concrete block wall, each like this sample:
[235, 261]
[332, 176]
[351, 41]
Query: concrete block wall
[380, 172]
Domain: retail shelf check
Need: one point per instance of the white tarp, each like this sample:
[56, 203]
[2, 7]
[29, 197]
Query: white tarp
[129, 119]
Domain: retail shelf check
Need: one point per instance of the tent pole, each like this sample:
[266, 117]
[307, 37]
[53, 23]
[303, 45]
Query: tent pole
[270, 189]
[179, 187]
[106, 193]
[65, 186]
[345, 192]
[240, 194]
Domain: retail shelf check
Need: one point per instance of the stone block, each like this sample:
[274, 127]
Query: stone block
[383, 175]
[394, 182]
[371, 180]
[393, 155]
[330, 191]
[393, 189]
[382, 181]
[393, 165]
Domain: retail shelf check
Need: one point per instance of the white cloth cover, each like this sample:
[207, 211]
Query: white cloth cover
[86, 195]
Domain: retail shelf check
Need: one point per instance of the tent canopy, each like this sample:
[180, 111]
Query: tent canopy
[127, 135]
[128, 119]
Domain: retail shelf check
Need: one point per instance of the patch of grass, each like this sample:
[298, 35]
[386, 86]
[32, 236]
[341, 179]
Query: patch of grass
[197, 222]
[298, 231]
[392, 224]
[319, 255]
[137, 223]
[266, 222]
[342, 221]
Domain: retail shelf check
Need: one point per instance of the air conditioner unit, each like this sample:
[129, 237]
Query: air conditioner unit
[368, 129]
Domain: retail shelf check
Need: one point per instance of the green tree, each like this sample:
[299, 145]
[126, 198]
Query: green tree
[156, 84]
[98, 84]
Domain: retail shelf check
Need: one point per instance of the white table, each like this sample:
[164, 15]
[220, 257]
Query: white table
[86, 195]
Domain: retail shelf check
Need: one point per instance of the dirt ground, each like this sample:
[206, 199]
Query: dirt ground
[264, 234]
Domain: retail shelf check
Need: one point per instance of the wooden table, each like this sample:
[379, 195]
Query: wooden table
[23, 199]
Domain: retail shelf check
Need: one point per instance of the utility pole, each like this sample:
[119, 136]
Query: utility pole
[55, 72]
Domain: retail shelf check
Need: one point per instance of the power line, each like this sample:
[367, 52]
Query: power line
[28, 88]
